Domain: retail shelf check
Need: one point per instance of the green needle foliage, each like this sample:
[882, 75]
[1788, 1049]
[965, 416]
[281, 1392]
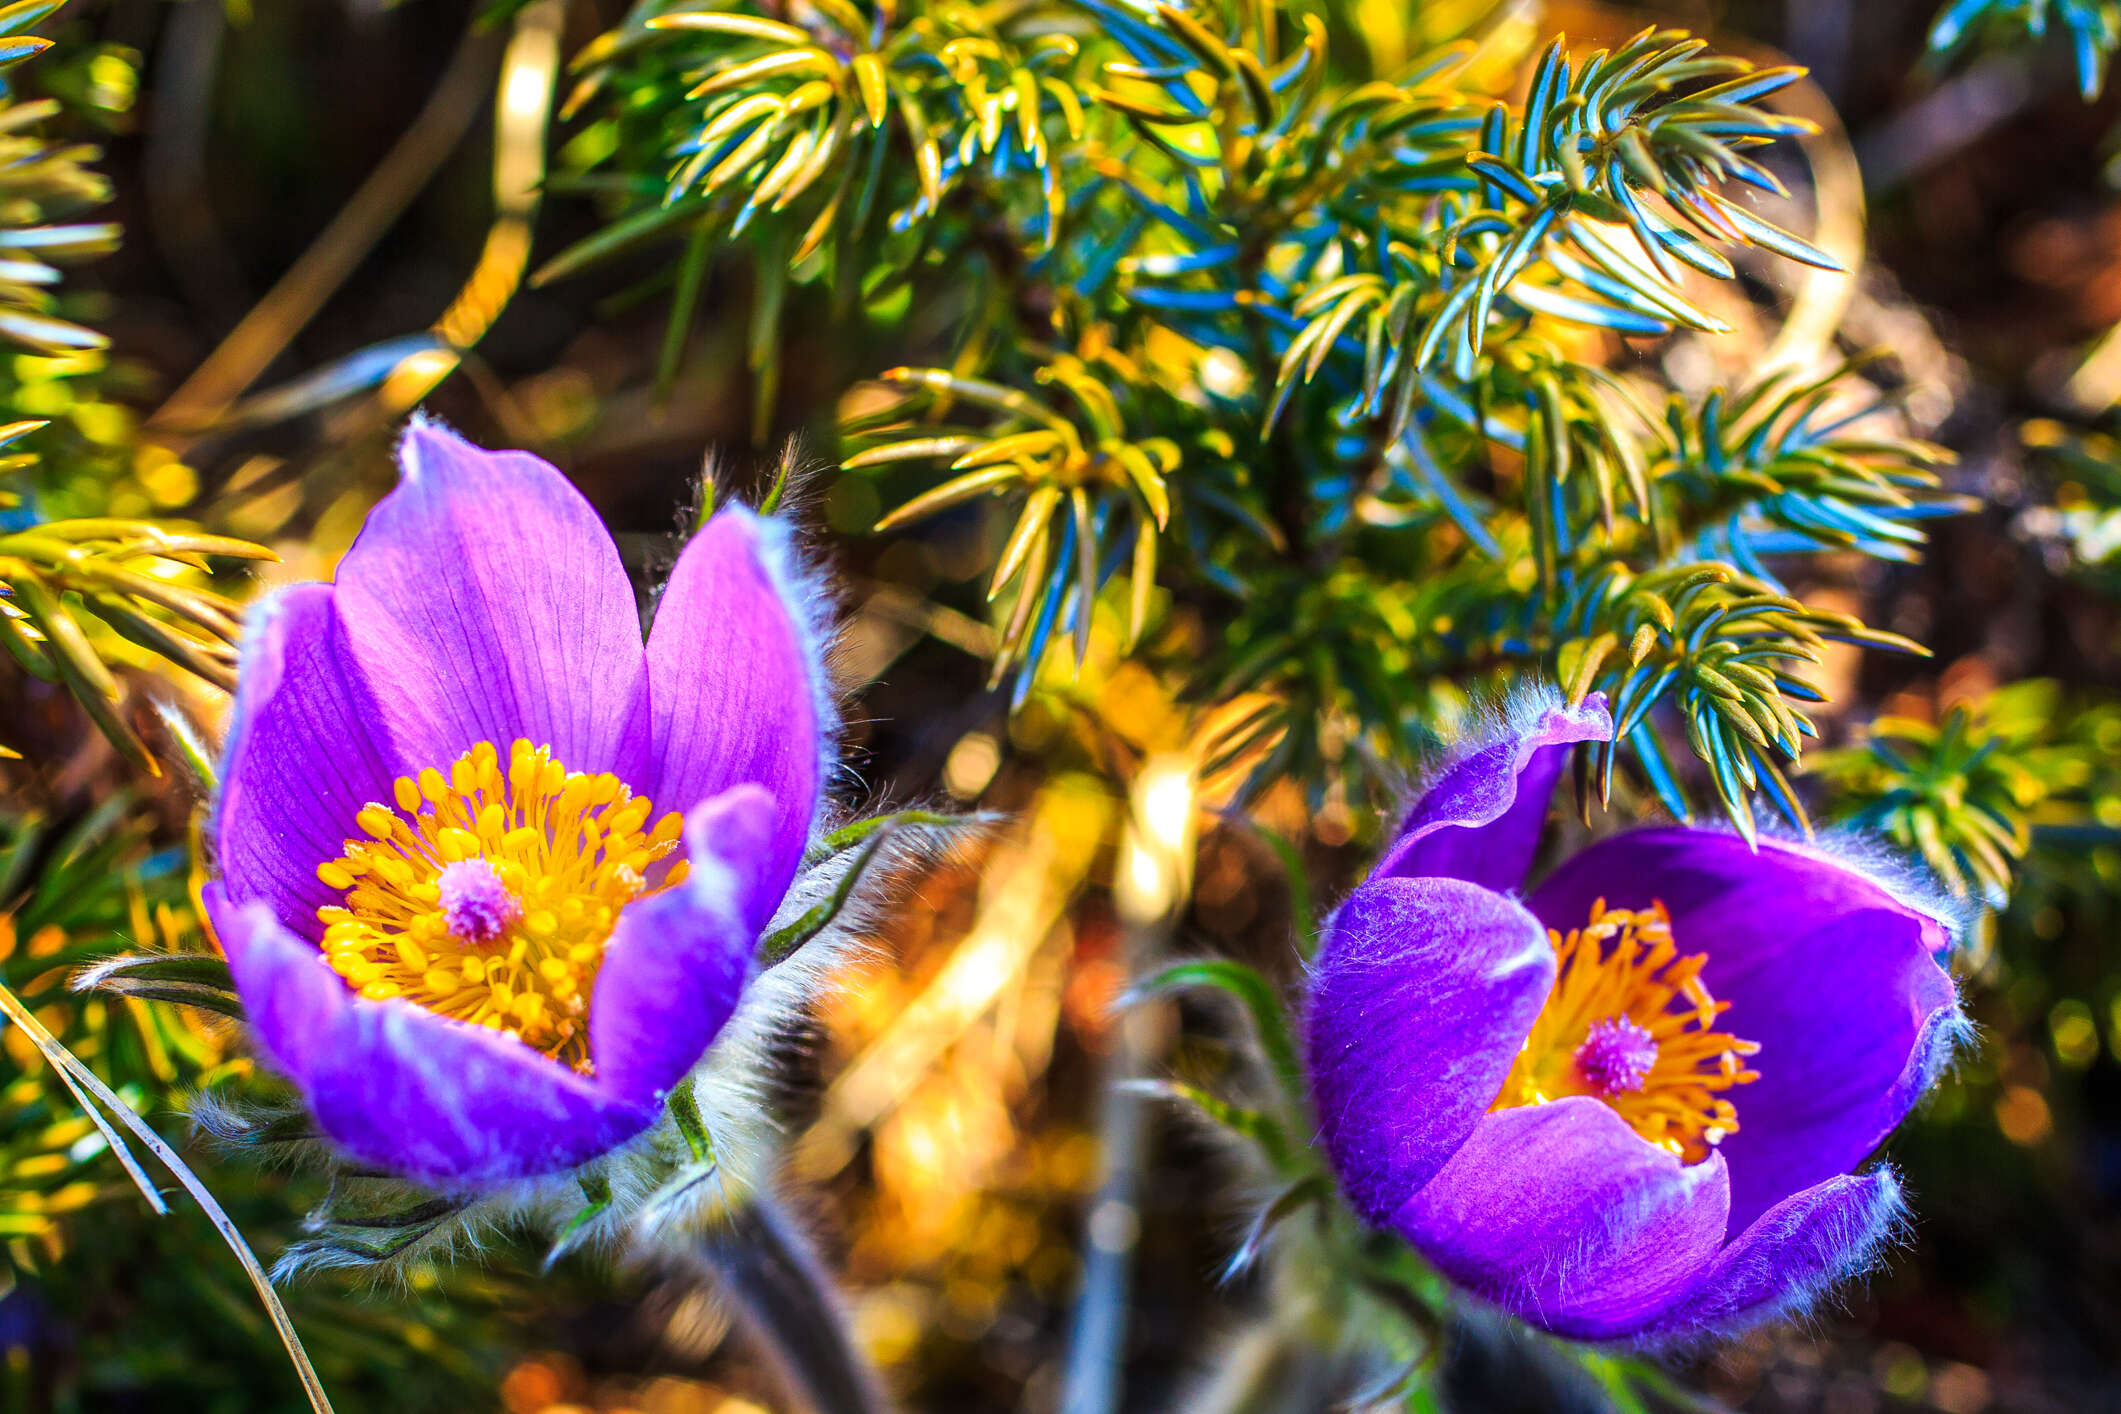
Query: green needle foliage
[118, 571]
[1976, 793]
[69, 895]
[1235, 326]
[43, 183]
[2091, 28]
[76, 590]
[1970, 792]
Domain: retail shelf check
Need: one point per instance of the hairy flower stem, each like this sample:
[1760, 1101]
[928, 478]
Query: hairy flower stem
[762, 1265]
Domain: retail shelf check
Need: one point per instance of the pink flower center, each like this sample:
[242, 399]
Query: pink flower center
[1616, 1055]
[1630, 1023]
[475, 903]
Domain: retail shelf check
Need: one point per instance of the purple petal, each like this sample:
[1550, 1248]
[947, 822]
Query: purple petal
[1563, 1215]
[291, 997]
[1792, 1255]
[1480, 817]
[1424, 991]
[485, 601]
[735, 686]
[406, 1090]
[304, 754]
[677, 962]
[1831, 974]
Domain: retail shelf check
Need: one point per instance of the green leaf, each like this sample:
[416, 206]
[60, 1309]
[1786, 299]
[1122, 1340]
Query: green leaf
[1269, 1021]
[1261, 1130]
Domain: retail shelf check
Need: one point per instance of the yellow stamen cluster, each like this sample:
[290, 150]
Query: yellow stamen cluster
[1621, 974]
[551, 856]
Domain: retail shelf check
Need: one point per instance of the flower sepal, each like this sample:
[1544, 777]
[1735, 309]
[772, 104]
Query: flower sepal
[684, 1193]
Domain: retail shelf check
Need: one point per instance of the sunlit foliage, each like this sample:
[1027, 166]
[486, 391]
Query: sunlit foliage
[1231, 320]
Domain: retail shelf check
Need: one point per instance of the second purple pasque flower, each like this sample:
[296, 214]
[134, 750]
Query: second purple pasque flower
[1631, 1104]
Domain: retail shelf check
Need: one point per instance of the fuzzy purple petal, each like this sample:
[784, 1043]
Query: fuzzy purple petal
[1790, 1257]
[291, 997]
[304, 754]
[735, 687]
[677, 962]
[1480, 817]
[485, 601]
[1423, 992]
[1831, 974]
[1563, 1215]
[406, 1090]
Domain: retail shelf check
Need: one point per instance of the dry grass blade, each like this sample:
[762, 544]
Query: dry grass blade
[78, 1078]
[118, 1147]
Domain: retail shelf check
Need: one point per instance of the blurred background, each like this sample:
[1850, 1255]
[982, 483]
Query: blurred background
[307, 190]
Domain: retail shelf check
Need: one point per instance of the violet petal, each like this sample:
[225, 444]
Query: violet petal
[305, 752]
[677, 963]
[1790, 1257]
[735, 685]
[401, 1088]
[1480, 817]
[1423, 993]
[1563, 1215]
[485, 601]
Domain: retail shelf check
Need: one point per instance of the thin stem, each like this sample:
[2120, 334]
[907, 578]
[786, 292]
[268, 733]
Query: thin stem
[1097, 1343]
[763, 1265]
[1092, 1382]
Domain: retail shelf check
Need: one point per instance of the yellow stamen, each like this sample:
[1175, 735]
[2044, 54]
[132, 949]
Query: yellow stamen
[1628, 1022]
[488, 892]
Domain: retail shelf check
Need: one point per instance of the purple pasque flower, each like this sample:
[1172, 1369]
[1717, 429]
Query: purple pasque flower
[1630, 1104]
[491, 868]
